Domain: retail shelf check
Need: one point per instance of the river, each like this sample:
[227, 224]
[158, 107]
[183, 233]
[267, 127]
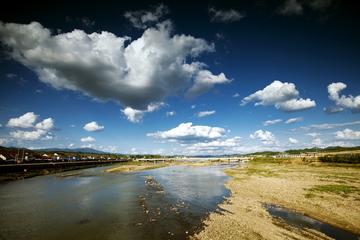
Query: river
[164, 203]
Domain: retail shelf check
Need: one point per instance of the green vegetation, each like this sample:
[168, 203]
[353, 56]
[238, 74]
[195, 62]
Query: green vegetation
[338, 189]
[322, 150]
[270, 160]
[341, 158]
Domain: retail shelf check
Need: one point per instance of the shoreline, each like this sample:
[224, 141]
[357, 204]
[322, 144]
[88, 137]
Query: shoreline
[328, 193]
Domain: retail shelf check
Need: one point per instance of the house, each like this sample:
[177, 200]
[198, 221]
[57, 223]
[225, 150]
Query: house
[56, 156]
[2, 157]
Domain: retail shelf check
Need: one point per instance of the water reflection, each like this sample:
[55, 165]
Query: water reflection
[91, 204]
[302, 221]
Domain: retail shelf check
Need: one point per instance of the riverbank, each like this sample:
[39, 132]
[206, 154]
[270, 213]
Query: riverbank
[11, 172]
[136, 166]
[141, 166]
[329, 193]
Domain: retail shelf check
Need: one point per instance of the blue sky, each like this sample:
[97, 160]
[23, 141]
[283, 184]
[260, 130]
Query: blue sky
[163, 78]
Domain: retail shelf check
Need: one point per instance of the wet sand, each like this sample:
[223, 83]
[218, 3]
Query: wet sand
[327, 193]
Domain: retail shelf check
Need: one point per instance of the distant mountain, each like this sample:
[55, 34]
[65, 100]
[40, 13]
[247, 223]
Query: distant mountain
[71, 150]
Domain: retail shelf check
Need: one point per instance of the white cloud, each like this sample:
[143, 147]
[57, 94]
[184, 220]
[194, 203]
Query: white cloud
[317, 142]
[296, 105]
[189, 132]
[291, 7]
[218, 145]
[87, 139]
[28, 120]
[272, 122]
[135, 116]
[224, 16]
[313, 134]
[283, 96]
[28, 135]
[265, 136]
[293, 140]
[142, 19]
[47, 124]
[343, 101]
[0, 125]
[348, 134]
[25, 121]
[3, 141]
[325, 126]
[294, 120]
[93, 126]
[171, 113]
[133, 73]
[205, 80]
[205, 113]
[193, 106]
[236, 95]
[71, 145]
[320, 4]
[333, 110]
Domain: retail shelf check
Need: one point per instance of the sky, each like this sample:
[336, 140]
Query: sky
[180, 77]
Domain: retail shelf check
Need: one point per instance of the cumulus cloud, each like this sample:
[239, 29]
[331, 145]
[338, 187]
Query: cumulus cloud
[265, 136]
[205, 113]
[294, 120]
[189, 132]
[28, 135]
[204, 81]
[46, 124]
[87, 139]
[28, 120]
[293, 140]
[93, 127]
[219, 145]
[283, 96]
[135, 115]
[291, 7]
[348, 134]
[296, 105]
[171, 113]
[224, 16]
[343, 101]
[272, 122]
[25, 121]
[236, 95]
[142, 19]
[133, 73]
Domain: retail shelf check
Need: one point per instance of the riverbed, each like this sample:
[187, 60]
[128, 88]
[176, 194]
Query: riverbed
[164, 203]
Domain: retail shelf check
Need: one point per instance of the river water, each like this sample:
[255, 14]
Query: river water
[164, 203]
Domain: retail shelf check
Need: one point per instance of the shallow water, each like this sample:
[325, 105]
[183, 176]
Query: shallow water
[165, 203]
[302, 221]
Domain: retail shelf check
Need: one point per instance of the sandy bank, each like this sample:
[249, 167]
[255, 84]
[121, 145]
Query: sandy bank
[328, 193]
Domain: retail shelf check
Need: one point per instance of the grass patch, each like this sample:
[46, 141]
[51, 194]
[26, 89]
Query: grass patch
[338, 189]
